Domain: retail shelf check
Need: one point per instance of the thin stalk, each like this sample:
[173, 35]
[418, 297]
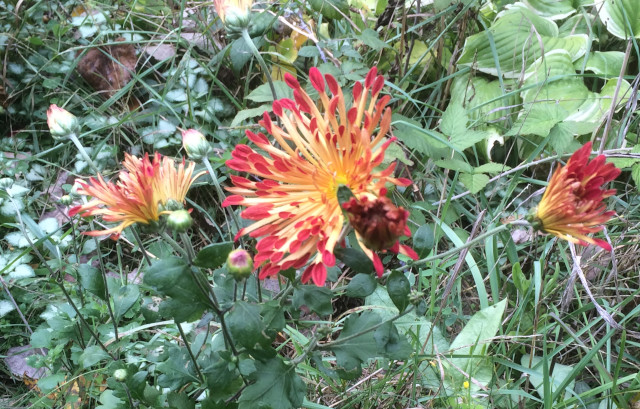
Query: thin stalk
[219, 190]
[142, 249]
[191, 356]
[247, 39]
[83, 152]
[176, 246]
[191, 254]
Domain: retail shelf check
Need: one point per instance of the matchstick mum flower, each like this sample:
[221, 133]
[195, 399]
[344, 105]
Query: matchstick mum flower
[572, 205]
[291, 188]
[146, 188]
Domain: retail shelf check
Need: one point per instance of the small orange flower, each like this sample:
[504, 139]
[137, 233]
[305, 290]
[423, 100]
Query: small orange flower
[233, 12]
[143, 186]
[572, 205]
[292, 189]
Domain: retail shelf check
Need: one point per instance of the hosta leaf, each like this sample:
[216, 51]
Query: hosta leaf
[519, 36]
[553, 9]
[607, 64]
[622, 17]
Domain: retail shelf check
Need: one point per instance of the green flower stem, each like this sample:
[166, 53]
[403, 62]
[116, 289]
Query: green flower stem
[470, 243]
[176, 246]
[339, 341]
[191, 356]
[191, 254]
[83, 152]
[219, 190]
[136, 235]
[247, 39]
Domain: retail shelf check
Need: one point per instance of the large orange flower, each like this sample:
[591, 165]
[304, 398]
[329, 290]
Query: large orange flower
[292, 186]
[572, 205]
[143, 186]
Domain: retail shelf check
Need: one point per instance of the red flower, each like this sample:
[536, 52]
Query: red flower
[143, 186]
[572, 205]
[292, 189]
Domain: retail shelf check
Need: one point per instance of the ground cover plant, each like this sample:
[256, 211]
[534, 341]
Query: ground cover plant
[322, 204]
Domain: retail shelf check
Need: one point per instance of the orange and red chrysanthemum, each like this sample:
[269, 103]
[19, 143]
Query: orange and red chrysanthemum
[572, 205]
[143, 186]
[292, 185]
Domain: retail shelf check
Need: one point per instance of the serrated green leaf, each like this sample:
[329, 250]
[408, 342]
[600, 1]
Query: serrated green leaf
[398, 288]
[263, 92]
[213, 255]
[177, 370]
[317, 299]
[276, 386]
[245, 114]
[362, 285]
[124, 298]
[491, 168]
[474, 182]
[390, 343]
[246, 326]
[351, 354]
[635, 174]
[372, 39]
[414, 136]
[91, 356]
[92, 281]
[454, 164]
[454, 120]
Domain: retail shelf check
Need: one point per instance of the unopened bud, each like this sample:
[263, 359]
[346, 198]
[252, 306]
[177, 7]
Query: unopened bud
[61, 122]
[195, 144]
[239, 264]
[235, 14]
[120, 375]
[179, 221]
[66, 200]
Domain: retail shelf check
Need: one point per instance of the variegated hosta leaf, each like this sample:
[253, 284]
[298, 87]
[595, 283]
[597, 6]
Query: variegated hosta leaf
[607, 64]
[553, 90]
[622, 17]
[519, 36]
[553, 9]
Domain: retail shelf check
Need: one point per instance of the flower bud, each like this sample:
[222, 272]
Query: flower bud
[235, 14]
[120, 375]
[195, 144]
[379, 222]
[179, 221]
[239, 264]
[66, 200]
[61, 122]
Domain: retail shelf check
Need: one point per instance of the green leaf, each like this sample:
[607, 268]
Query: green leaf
[553, 9]
[372, 40]
[558, 375]
[108, 400]
[245, 114]
[516, 48]
[246, 326]
[180, 401]
[317, 299]
[351, 354]
[263, 92]
[275, 386]
[91, 356]
[607, 64]
[491, 168]
[355, 259]
[454, 120]
[213, 255]
[171, 277]
[474, 182]
[124, 299]
[454, 164]
[222, 377]
[362, 285]
[473, 340]
[177, 370]
[399, 288]
[635, 174]
[519, 280]
[414, 136]
[622, 18]
[331, 9]
[92, 281]
[423, 240]
[391, 344]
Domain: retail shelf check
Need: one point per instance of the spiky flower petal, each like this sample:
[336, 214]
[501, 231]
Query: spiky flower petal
[143, 189]
[291, 188]
[572, 205]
